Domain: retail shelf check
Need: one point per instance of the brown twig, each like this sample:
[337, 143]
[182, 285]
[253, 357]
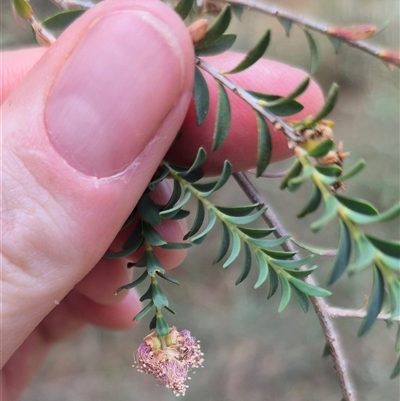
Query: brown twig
[320, 27]
[320, 306]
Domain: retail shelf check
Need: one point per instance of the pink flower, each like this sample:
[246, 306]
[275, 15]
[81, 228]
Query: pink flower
[170, 358]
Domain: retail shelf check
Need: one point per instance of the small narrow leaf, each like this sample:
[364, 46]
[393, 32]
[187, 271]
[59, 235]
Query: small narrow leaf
[153, 264]
[222, 180]
[234, 251]
[322, 149]
[237, 210]
[175, 245]
[301, 297]
[217, 29]
[262, 269]
[159, 176]
[169, 310]
[167, 278]
[246, 265]
[162, 327]
[390, 248]
[152, 236]
[329, 104]
[313, 51]
[353, 170]
[61, 21]
[313, 202]
[179, 215]
[256, 232]
[158, 296]
[200, 159]
[273, 282]
[285, 293]
[309, 289]
[303, 85]
[134, 283]
[198, 221]
[279, 254]
[375, 302]
[343, 254]
[221, 45]
[246, 219]
[287, 25]
[264, 147]
[364, 254]
[326, 351]
[147, 295]
[358, 205]
[237, 11]
[390, 214]
[332, 170]
[331, 207]
[198, 239]
[178, 206]
[184, 7]
[336, 43]
[294, 172]
[223, 119]
[292, 263]
[129, 220]
[131, 245]
[269, 243]
[23, 8]
[144, 311]
[201, 97]
[253, 55]
[302, 273]
[148, 210]
[225, 242]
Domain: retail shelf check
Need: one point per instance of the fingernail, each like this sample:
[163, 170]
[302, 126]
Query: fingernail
[113, 92]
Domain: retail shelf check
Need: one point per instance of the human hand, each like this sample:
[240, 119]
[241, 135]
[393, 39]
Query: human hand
[85, 125]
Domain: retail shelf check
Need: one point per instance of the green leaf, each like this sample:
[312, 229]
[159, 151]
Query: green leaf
[200, 159]
[158, 296]
[292, 263]
[130, 219]
[313, 202]
[184, 7]
[235, 250]
[278, 105]
[61, 21]
[302, 298]
[262, 269]
[358, 205]
[152, 236]
[23, 8]
[253, 55]
[237, 210]
[390, 248]
[273, 282]
[161, 173]
[221, 45]
[180, 214]
[394, 293]
[153, 264]
[131, 245]
[326, 351]
[179, 205]
[391, 263]
[285, 293]
[175, 245]
[336, 43]
[303, 85]
[322, 149]
[375, 302]
[264, 148]
[175, 196]
[147, 295]
[142, 262]
[152, 324]
[342, 257]
[329, 104]
[287, 25]
[309, 289]
[148, 210]
[397, 346]
[296, 182]
[237, 11]
[201, 97]
[302, 273]
[364, 254]
[162, 327]
[133, 284]
[223, 119]
[294, 172]
[144, 311]
[313, 51]
[217, 29]
[279, 254]
[331, 207]
[390, 214]
[222, 180]
[256, 232]
[269, 243]
[332, 170]
[246, 265]
[353, 170]
[396, 370]
[225, 242]
[169, 310]
[198, 221]
[167, 278]
[241, 220]
[199, 238]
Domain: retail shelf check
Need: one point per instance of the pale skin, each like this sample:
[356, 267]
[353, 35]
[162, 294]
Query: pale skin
[59, 196]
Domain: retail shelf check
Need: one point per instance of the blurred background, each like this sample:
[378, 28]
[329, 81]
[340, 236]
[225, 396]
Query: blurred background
[251, 351]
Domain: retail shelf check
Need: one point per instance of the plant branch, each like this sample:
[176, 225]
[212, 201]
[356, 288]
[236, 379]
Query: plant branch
[320, 306]
[323, 28]
[286, 128]
[360, 314]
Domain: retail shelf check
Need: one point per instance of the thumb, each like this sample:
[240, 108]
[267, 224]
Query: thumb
[82, 135]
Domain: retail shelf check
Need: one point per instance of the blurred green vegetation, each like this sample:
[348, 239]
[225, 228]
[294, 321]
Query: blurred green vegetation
[252, 352]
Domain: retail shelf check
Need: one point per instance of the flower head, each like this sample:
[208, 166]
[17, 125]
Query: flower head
[170, 358]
